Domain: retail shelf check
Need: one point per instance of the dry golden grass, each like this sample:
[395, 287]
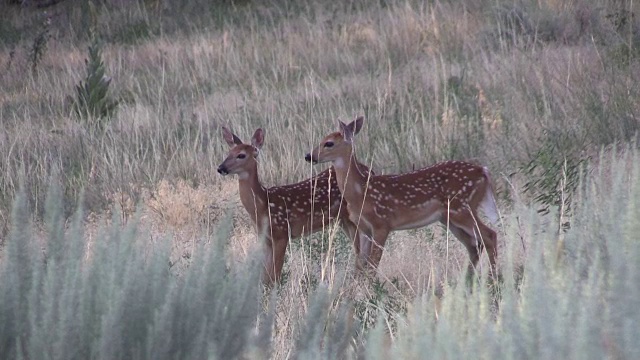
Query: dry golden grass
[422, 74]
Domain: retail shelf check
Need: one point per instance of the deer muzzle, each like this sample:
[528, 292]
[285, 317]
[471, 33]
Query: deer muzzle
[310, 158]
[222, 170]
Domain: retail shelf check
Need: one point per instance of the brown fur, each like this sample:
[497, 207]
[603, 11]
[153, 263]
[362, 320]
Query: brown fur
[284, 212]
[448, 192]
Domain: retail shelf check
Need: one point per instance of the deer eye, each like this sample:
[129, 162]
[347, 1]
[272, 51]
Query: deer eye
[241, 156]
[328, 144]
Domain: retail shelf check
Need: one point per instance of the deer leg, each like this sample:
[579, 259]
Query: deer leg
[476, 236]
[489, 239]
[474, 249]
[269, 269]
[379, 237]
[358, 242]
[352, 232]
[279, 251]
[366, 242]
[274, 253]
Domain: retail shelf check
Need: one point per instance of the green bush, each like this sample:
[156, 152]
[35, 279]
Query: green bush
[581, 305]
[92, 99]
[554, 173]
[116, 297]
[39, 46]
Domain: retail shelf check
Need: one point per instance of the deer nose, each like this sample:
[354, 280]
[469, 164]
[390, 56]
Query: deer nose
[308, 159]
[222, 170]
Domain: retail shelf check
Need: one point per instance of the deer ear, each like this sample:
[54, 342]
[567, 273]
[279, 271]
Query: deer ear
[354, 127]
[346, 131]
[258, 139]
[231, 139]
[357, 123]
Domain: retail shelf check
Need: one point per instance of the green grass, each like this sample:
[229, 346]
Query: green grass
[532, 89]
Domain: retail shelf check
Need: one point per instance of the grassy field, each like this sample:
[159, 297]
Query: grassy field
[544, 93]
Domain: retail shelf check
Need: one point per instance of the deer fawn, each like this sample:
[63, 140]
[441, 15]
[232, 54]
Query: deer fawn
[450, 192]
[284, 212]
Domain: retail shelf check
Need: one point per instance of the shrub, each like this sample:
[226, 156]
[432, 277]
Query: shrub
[581, 305]
[92, 100]
[116, 297]
[554, 173]
[39, 46]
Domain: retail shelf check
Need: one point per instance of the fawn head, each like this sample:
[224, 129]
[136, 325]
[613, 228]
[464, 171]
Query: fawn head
[241, 157]
[336, 144]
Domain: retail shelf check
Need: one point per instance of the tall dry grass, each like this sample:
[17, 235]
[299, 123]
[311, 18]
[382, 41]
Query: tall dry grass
[439, 81]
[531, 89]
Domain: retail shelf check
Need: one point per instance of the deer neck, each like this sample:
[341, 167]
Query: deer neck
[252, 194]
[351, 181]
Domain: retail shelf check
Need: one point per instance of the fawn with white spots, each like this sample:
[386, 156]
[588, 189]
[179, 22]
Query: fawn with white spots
[450, 192]
[284, 212]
